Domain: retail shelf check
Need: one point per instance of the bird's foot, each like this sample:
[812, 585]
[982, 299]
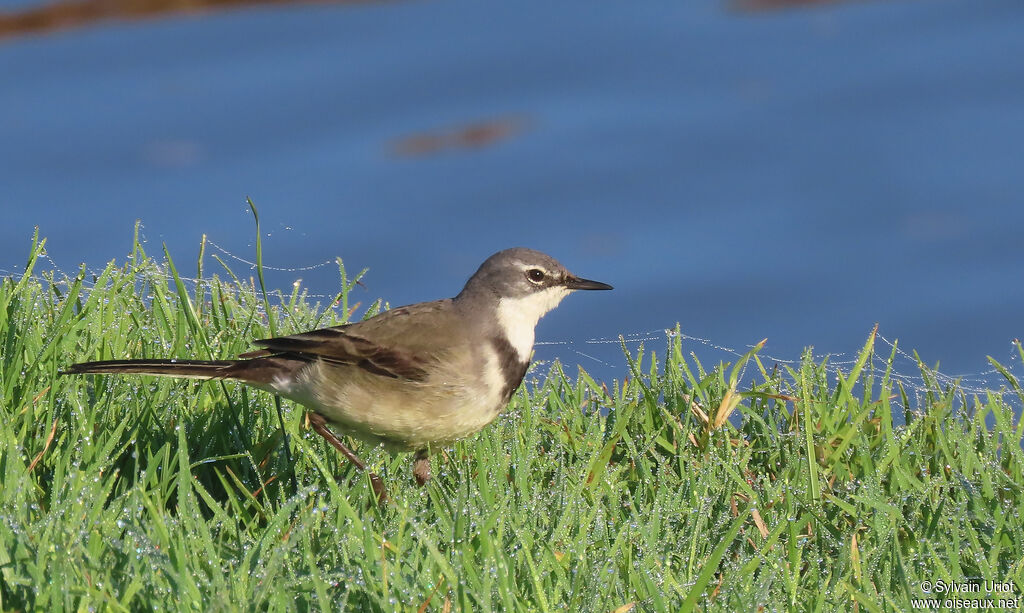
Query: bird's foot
[378, 489]
[421, 467]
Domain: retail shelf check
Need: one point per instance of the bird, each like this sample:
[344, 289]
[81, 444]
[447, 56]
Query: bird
[415, 378]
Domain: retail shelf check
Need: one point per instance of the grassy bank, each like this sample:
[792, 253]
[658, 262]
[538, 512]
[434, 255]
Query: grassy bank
[122, 493]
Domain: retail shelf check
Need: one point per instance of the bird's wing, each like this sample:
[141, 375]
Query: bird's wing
[394, 344]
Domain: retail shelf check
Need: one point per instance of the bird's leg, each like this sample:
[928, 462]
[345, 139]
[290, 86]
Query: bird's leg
[421, 467]
[320, 427]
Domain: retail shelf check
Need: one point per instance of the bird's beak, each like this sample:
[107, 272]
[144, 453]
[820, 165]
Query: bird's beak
[577, 283]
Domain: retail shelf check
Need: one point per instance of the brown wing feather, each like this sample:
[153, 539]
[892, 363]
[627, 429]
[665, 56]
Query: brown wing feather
[333, 345]
[392, 344]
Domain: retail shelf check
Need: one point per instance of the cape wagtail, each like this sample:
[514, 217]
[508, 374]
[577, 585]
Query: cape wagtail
[415, 378]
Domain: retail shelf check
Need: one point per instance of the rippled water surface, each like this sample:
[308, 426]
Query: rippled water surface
[793, 173]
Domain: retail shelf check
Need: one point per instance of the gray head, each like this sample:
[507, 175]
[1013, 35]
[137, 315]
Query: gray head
[521, 272]
[521, 285]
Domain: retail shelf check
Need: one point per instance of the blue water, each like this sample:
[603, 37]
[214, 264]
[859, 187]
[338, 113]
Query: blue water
[797, 175]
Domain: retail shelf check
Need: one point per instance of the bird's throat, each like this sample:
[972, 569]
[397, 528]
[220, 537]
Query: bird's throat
[517, 317]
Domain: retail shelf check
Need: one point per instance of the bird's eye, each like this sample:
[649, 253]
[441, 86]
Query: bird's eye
[535, 275]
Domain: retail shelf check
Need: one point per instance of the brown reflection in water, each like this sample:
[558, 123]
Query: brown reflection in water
[467, 136]
[63, 15]
[67, 14]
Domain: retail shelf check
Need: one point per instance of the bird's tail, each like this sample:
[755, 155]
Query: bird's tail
[258, 368]
[186, 369]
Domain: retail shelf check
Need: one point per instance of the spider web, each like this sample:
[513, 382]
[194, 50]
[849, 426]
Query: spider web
[603, 356]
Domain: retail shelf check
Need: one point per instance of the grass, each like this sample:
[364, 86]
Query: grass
[677, 489]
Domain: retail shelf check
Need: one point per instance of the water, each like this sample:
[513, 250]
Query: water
[797, 174]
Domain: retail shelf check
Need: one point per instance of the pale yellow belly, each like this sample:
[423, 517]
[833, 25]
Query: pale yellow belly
[402, 414]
